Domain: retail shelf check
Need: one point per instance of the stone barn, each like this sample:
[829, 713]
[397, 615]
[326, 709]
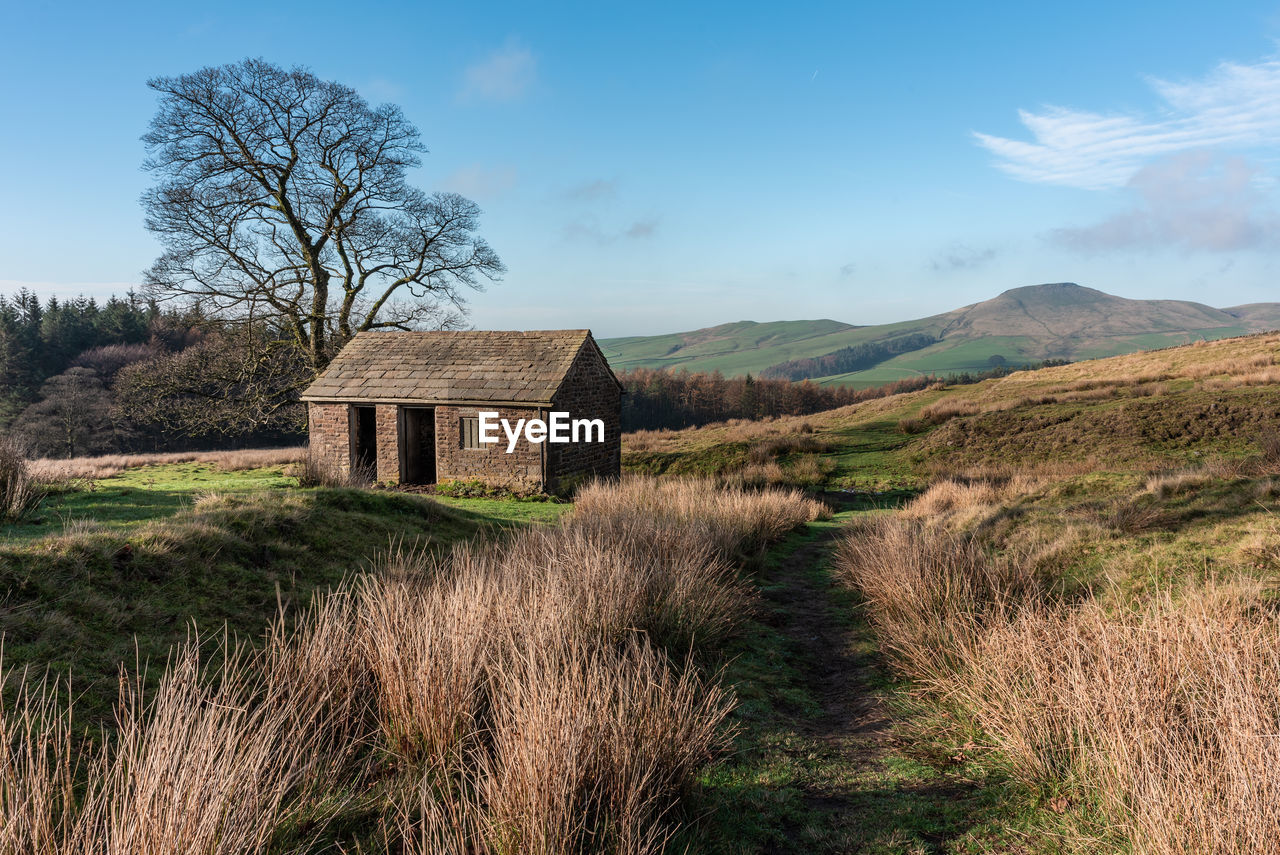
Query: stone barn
[419, 408]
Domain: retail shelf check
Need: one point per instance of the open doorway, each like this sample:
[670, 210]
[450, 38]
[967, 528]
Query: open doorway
[417, 445]
[364, 443]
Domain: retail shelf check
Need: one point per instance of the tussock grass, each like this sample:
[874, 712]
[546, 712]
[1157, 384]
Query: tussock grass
[1149, 717]
[542, 693]
[314, 471]
[20, 493]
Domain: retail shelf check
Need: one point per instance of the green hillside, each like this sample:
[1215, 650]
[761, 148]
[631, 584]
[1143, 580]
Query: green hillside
[1023, 325]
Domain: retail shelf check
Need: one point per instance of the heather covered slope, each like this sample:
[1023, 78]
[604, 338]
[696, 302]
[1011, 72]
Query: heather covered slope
[1021, 326]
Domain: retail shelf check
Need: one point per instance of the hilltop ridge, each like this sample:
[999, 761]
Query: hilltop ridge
[1060, 320]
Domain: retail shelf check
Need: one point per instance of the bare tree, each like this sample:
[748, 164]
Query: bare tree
[282, 200]
[73, 417]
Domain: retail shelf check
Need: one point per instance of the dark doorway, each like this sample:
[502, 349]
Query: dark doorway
[417, 445]
[364, 443]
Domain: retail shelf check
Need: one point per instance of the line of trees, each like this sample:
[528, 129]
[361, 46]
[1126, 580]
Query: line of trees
[658, 399]
[856, 357]
[79, 377]
[39, 341]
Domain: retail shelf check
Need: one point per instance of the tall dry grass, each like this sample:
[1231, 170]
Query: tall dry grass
[20, 492]
[536, 694]
[1161, 717]
[212, 762]
[104, 466]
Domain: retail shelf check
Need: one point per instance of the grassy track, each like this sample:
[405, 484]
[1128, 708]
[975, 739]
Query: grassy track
[823, 763]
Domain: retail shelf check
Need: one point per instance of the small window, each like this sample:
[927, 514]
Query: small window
[469, 429]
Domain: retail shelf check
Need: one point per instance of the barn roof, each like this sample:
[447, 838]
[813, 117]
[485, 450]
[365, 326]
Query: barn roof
[435, 367]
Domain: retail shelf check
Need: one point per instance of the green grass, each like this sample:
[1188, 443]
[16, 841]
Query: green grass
[166, 548]
[146, 493]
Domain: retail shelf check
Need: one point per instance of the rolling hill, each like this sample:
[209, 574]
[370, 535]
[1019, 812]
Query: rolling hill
[1022, 325]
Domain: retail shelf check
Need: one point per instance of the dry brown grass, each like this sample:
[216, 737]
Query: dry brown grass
[314, 471]
[212, 762]
[734, 520]
[946, 409]
[59, 469]
[534, 694]
[1166, 715]
[20, 492]
[1157, 719]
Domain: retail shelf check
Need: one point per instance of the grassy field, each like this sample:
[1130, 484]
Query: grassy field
[119, 569]
[1161, 408]
[485, 685]
[873, 666]
[1025, 325]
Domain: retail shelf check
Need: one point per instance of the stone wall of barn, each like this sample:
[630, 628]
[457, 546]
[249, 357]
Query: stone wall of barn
[386, 419]
[519, 470]
[588, 392]
[329, 432]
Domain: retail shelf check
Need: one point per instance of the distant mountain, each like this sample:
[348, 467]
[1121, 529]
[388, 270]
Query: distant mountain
[1023, 325]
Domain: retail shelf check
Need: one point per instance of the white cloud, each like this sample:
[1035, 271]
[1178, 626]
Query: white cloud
[1197, 200]
[1234, 106]
[503, 75]
[479, 182]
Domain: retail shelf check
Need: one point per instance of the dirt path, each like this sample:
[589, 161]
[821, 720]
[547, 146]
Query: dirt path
[858, 792]
[837, 667]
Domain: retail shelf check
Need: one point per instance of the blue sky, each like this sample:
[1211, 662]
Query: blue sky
[655, 167]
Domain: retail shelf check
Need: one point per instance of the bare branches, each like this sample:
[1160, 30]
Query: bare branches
[229, 384]
[275, 185]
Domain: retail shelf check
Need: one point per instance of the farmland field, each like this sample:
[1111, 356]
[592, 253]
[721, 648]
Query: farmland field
[837, 699]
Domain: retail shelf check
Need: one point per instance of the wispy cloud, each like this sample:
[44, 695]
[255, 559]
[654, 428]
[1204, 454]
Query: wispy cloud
[589, 229]
[593, 191]
[962, 257]
[641, 229]
[1198, 200]
[479, 181]
[504, 75]
[1234, 106]
[847, 270]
